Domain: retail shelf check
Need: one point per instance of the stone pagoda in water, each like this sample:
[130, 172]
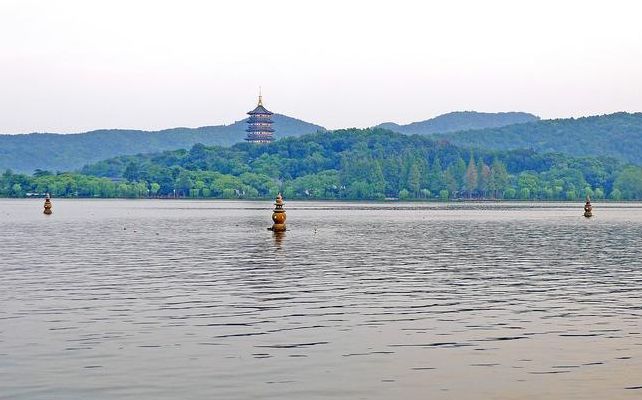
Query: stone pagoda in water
[259, 125]
[48, 205]
[278, 215]
[588, 208]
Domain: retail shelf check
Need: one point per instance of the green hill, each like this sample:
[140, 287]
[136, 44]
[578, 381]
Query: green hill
[64, 152]
[346, 164]
[616, 135]
[459, 121]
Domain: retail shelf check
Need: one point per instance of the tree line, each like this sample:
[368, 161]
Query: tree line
[370, 164]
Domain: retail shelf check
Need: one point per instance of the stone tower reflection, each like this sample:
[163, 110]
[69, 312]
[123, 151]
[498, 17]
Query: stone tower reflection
[278, 238]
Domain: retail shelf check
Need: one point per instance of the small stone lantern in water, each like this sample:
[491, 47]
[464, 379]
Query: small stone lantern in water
[48, 205]
[588, 208]
[278, 215]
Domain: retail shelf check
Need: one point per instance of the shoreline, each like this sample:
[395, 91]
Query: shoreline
[346, 201]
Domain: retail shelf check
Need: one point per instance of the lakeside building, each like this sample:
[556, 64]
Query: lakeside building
[259, 125]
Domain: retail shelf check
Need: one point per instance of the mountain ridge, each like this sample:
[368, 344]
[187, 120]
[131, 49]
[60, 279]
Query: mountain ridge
[617, 135]
[64, 152]
[459, 121]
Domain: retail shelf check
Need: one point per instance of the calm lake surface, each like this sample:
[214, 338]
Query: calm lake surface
[116, 299]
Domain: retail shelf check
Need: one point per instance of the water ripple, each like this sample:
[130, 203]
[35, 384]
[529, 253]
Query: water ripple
[196, 299]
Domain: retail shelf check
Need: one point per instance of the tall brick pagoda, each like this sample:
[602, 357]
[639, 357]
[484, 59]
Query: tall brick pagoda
[259, 125]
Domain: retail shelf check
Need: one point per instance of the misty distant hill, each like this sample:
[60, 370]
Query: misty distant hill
[60, 152]
[460, 121]
[616, 135]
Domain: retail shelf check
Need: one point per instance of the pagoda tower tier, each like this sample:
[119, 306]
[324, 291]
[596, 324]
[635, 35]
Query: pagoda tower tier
[259, 124]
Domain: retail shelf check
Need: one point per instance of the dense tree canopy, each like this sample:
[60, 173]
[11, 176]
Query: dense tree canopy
[616, 135]
[347, 164]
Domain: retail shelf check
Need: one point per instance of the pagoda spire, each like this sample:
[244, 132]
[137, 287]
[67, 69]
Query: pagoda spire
[260, 97]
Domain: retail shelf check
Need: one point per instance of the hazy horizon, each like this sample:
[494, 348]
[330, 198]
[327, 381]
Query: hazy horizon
[74, 66]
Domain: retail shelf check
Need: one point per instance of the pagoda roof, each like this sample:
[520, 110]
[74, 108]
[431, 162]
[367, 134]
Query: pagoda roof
[259, 129]
[260, 110]
[257, 119]
[257, 138]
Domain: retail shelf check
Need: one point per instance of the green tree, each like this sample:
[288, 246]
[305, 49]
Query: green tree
[39, 172]
[483, 173]
[452, 186]
[571, 195]
[599, 193]
[524, 193]
[528, 183]
[471, 177]
[414, 180]
[629, 182]
[458, 170]
[132, 172]
[154, 188]
[16, 190]
[499, 178]
[510, 193]
[184, 183]
[435, 178]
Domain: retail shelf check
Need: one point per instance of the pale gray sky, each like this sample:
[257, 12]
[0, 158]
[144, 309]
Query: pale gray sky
[77, 65]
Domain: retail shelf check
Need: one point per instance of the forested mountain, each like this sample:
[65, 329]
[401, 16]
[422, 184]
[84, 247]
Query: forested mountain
[346, 164]
[460, 121]
[616, 135]
[60, 152]
[64, 152]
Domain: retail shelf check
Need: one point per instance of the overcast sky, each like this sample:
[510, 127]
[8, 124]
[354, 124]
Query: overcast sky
[77, 65]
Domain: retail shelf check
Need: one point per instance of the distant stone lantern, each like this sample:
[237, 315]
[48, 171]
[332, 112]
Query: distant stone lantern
[48, 205]
[278, 215]
[588, 208]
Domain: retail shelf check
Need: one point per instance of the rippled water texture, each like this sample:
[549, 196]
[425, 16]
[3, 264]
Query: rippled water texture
[195, 299]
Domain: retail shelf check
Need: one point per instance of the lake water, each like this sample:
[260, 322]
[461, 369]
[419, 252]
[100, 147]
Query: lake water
[197, 299]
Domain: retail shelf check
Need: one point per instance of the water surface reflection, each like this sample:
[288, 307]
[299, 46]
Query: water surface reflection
[196, 299]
